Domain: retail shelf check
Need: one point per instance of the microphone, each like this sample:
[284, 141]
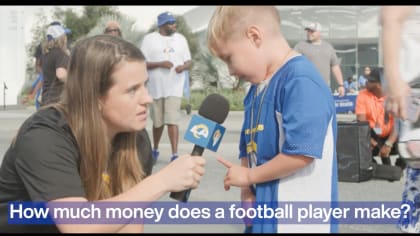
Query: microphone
[205, 131]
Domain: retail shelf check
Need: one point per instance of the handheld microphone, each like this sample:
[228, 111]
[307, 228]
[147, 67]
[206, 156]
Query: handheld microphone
[205, 131]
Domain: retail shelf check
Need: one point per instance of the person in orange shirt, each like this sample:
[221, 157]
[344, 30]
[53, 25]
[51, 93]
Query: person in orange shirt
[370, 107]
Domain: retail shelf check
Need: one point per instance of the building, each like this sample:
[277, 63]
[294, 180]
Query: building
[353, 31]
[12, 56]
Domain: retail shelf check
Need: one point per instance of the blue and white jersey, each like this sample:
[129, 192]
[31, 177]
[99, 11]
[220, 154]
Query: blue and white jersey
[296, 117]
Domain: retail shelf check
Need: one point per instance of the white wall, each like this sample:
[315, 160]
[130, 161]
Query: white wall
[12, 53]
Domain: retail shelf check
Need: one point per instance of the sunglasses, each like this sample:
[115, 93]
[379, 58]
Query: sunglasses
[111, 30]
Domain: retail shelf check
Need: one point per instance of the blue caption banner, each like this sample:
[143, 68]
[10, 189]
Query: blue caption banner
[206, 212]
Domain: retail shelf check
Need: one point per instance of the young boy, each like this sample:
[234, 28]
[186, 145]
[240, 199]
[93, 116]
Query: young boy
[288, 138]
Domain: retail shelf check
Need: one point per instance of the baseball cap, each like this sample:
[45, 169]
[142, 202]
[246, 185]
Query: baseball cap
[55, 23]
[314, 26]
[165, 17]
[68, 31]
[374, 76]
[55, 31]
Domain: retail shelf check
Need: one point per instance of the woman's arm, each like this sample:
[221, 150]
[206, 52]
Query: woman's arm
[183, 173]
[392, 19]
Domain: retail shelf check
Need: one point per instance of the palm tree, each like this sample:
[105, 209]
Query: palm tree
[126, 26]
[205, 71]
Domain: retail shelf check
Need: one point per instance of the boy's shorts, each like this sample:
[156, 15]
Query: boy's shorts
[165, 111]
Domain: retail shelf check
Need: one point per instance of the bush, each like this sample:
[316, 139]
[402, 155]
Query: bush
[235, 98]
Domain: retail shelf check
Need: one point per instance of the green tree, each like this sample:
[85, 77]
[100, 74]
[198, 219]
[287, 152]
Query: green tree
[126, 26]
[83, 24]
[205, 71]
[37, 35]
[192, 39]
[79, 25]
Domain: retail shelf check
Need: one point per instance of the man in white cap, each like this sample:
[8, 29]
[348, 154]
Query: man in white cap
[322, 54]
[168, 57]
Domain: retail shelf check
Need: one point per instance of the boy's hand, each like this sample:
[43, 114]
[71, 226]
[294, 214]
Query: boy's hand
[236, 175]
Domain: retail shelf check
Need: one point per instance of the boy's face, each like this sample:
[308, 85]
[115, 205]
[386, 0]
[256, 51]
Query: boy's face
[243, 58]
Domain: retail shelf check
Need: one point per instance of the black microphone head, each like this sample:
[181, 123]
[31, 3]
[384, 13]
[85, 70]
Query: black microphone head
[215, 107]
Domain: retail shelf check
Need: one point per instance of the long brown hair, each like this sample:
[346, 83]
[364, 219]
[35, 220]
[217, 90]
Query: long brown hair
[60, 42]
[92, 64]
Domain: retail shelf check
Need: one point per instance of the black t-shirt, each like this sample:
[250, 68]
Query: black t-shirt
[38, 51]
[52, 86]
[43, 165]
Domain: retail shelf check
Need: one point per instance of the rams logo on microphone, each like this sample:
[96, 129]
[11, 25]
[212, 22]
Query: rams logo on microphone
[200, 130]
[216, 137]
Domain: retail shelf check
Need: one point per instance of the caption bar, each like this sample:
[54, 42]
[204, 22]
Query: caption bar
[206, 212]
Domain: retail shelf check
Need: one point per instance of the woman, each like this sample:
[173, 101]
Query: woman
[54, 61]
[84, 147]
[113, 28]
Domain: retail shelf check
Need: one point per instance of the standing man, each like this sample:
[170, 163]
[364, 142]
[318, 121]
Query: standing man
[322, 54]
[168, 57]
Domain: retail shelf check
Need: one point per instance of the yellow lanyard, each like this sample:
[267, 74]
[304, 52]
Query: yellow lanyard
[252, 146]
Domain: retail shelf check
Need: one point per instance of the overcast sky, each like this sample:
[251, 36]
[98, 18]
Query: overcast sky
[145, 15]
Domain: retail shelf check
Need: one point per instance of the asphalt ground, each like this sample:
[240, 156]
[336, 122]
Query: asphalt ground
[211, 186]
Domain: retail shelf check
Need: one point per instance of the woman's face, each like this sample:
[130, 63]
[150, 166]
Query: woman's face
[124, 107]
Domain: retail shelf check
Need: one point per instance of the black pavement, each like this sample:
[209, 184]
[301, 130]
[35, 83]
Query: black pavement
[211, 186]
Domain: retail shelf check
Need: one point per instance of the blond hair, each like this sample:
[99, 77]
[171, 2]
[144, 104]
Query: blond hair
[230, 21]
[60, 42]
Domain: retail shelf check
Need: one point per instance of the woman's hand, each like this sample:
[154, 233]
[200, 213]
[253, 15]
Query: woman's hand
[183, 173]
